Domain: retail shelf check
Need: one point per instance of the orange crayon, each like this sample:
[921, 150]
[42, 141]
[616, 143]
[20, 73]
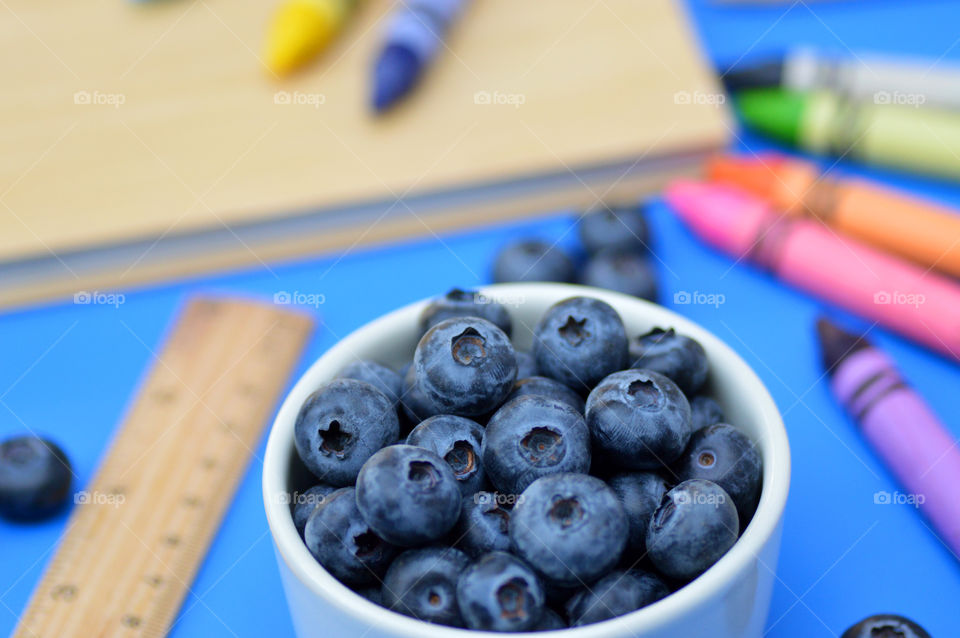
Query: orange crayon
[921, 231]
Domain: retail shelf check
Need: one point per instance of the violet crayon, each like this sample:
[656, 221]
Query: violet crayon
[899, 425]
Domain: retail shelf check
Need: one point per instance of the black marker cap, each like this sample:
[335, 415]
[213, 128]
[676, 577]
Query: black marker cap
[763, 75]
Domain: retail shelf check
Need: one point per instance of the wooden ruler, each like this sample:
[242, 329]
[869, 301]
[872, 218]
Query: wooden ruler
[139, 532]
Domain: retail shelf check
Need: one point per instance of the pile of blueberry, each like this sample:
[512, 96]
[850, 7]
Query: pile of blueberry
[501, 490]
[614, 242]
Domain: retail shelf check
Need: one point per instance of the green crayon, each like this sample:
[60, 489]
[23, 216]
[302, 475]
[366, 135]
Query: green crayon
[920, 140]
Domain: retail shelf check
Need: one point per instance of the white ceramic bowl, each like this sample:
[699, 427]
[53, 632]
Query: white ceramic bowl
[730, 600]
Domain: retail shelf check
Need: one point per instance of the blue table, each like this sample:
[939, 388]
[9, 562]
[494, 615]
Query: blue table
[69, 371]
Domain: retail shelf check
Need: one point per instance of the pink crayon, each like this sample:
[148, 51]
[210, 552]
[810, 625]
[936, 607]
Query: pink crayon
[921, 305]
[899, 425]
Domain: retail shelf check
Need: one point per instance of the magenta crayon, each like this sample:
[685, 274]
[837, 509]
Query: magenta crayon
[900, 427]
[921, 305]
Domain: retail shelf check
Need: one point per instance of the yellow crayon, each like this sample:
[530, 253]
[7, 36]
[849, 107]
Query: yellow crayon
[301, 30]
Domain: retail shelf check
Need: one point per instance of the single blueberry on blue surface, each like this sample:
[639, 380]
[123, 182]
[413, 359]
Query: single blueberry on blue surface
[694, 526]
[484, 524]
[532, 260]
[344, 544]
[408, 495]
[579, 341]
[422, 583]
[465, 303]
[340, 426]
[640, 493]
[705, 411]
[465, 366]
[638, 419]
[376, 374]
[614, 228]
[533, 436]
[550, 621]
[886, 626]
[501, 593]
[673, 355]
[571, 528]
[416, 406]
[724, 455]
[616, 594]
[457, 440]
[526, 365]
[548, 388]
[626, 272]
[309, 500]
[35, 478]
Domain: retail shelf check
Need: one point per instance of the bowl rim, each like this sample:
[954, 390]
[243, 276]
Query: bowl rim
[773, 444]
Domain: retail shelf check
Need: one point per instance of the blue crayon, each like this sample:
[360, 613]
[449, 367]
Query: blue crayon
[414, 35]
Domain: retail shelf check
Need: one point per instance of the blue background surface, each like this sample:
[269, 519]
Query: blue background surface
[69, 371]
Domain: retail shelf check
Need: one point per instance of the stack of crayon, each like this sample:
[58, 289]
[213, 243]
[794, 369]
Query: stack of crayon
[871, 251]
[414, 35]
[884, 255]
[900, 114]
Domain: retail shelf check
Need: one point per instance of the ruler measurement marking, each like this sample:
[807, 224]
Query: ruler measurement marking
[170, 452]
[168, 547]
[185, 482]
[145, 422]
[177, 552]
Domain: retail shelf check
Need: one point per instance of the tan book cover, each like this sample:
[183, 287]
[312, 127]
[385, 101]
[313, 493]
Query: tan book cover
[143, 141]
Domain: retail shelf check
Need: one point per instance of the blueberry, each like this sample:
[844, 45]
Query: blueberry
[416, 406]
[615, 594]
[526, 365]
[676, 356]
[724, 455]
[35, 478]
[344, 544]
[484, 524]
[532, 260]
[694, 526]
[705, 411]
[625, 272]
[500, 593]
[550, 621]
[340, 426]
[548, 388]
[886, 626]
[579, 341]
[457, 440]
[373, 593]
[640, 493]
[422, 583]
[638, 419]
[376, 374]
[465, 366]
[305, 503]
[614, 227]
[570, 527]
[533, 436]
[465, 303]
[408, 495]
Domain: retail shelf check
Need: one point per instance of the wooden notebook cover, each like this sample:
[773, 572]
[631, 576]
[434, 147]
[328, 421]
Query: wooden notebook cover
[126, 122]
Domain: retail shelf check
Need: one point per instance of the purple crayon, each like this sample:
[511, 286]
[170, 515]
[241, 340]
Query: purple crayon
[415, 33]
[899, 425]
